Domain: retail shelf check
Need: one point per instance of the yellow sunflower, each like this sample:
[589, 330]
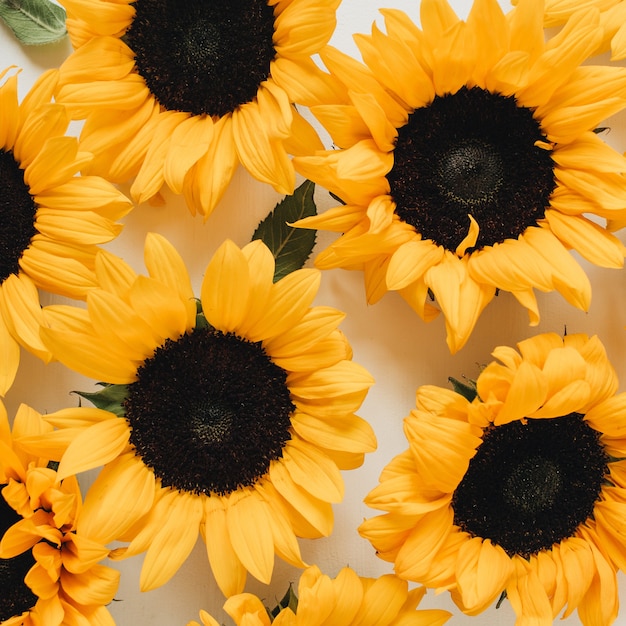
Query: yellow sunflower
[612, 18]
[183, 96]
[50, 570]
[347, 600]
[52, 220]
[468, 160]
[235, 421]
[522, 489]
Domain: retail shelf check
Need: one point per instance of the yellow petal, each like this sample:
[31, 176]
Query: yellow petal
[114, 275]
[483, 571]
[262, 155]
[526, 394]
[589, 239]
[350, 434]
[249, 529]
[317, 512]
[180, 516]
[410, 261]
[310, 468]
[382, 601]
[9, 111]
[527, 595]
[229, 572]
[214, 171]
[165, 264]
[122, 493]
[316, 324]
[461, 298]
[418, 552]
[289, 300]
[9, 358]
[225, 288]
[151, 176]
[348, 592]
[285, 543]
[247, 604]
[190, 140]
[95, 446]
[160, 307]
[600, 604]
[63, 151]
[96, 587]
[21, 311]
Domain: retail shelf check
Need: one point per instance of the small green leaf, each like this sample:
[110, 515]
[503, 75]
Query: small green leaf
[109, 398]
[290, 246]
[501, 599]
[290, 600]
[467, 390]
[34, 22]
[201, 320]
[335, 197]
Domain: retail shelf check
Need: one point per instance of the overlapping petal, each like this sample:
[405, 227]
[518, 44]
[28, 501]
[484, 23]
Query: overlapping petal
[426, 530]
[346, 600]
[243, 526]
[66, 571]
[134, 134]
[71, 216]
[404, 71]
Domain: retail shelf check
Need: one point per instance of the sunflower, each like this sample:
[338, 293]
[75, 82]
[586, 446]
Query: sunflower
[50, 570]
[52, 220]
[235, 420]
[612, 17]
[521, 490]
[183, 96]
[347, 600]
[468, 161]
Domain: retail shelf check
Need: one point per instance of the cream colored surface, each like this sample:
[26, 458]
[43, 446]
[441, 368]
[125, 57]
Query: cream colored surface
[400, 350]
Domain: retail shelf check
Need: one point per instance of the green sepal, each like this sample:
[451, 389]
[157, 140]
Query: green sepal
[109, 398]
[501, 599]
[466, 389]
[34, 22]
[201, 320]
[289, 601]
[337, 198]
[290, 246]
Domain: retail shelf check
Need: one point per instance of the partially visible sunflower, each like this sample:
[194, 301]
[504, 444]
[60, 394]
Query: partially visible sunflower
[235, 421]
[468, 161]
[181, 93]
[612, 18]
[50, 570]
[52, 220]
[347, 600]
[521, 490]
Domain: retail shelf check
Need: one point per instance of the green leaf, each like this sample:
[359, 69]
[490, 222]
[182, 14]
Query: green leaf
[34, 22]
[467, 390]
[290, 600]
[109, 398]
[290, 246]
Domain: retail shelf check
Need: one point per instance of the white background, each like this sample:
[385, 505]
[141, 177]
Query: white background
[400, 350]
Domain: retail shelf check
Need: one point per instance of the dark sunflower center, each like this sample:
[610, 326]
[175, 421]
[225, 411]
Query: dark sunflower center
[17, 215]
[472, 152]
[15, 596]
[530, 485]
[201, 56]
[209, 412]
